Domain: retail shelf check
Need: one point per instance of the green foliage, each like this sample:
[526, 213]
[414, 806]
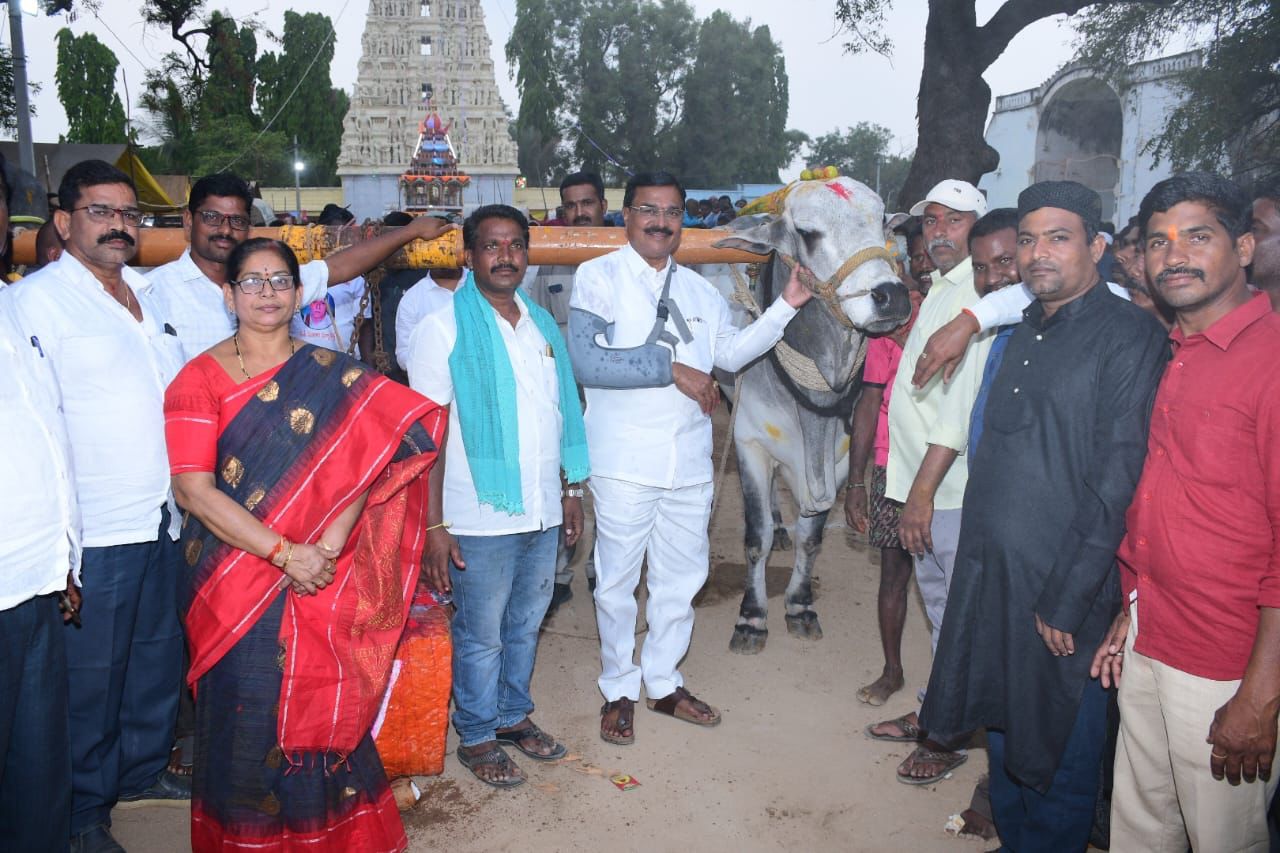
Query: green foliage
[1228, 120]
[270, 156]
[232, 59]
[531, 50]
[735, 107]
[8, 104]
[86, 78]
[862, 153]
[863, 22]
[644, 83]
[310, 108]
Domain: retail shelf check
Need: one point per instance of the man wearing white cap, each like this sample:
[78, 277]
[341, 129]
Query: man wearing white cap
[928, 433]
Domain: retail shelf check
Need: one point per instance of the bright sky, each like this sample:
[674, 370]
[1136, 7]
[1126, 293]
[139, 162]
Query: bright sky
[829, 88]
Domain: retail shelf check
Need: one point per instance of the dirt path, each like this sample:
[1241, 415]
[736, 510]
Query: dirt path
[788, 769]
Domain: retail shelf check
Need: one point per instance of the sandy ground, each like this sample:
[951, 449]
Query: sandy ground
[789, 768]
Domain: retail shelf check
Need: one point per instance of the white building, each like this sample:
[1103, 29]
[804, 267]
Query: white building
[1078, 126]
[411, 47]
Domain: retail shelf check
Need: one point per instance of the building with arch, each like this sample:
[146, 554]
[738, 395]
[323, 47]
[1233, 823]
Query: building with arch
[1082, 127]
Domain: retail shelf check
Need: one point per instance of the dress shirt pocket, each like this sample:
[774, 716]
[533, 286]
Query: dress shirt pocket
[550, 377]
[1009, 412]
[1219, 442]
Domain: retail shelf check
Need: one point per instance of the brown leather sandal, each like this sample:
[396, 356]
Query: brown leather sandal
[621, 713]
[670, 705]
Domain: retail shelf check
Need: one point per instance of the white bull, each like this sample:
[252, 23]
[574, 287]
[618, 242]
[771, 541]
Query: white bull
[794, 403]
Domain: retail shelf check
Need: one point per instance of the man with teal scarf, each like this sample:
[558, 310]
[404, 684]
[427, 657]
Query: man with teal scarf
[515, 459]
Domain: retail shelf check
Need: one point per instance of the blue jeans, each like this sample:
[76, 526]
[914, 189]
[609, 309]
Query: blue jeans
[35, 759]
[1061, 819]
[501, 599]
[125, 670]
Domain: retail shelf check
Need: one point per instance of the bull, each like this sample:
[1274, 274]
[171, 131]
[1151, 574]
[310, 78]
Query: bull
[793, 404]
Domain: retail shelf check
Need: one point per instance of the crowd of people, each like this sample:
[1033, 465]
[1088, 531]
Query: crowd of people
[233, 514]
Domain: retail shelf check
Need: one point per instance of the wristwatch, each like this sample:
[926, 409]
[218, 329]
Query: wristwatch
[574, 493]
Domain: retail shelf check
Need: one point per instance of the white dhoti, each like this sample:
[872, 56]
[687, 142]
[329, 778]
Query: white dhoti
[669, 526]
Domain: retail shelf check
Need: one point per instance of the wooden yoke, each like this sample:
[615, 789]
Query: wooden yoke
[547, 245]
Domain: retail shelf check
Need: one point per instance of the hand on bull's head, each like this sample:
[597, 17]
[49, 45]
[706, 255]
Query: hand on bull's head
[796, 292]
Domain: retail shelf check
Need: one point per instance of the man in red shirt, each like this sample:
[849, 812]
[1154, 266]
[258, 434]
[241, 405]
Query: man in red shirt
[1200, 562]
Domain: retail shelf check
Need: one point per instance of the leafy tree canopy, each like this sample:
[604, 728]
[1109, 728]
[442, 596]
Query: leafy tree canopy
[86, 78]
[862, 153]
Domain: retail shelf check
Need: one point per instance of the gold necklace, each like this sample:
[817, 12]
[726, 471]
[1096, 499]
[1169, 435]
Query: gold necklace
[235, 339]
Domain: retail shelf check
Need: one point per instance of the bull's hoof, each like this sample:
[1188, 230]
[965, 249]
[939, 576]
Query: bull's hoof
[804, 625]
[747, 640]
[782, 540]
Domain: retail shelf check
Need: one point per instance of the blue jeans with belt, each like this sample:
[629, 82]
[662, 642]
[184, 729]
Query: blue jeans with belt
[35, 760]
[501, 599]
[125, 672]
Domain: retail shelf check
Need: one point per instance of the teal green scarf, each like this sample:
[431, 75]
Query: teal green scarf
[484, 389]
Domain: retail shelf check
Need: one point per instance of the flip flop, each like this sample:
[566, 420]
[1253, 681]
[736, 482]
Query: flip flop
[949, 761]
[182, 756]
[532, 731]
[624, 721]
[911, 733]
[497, 756]
[670, 705]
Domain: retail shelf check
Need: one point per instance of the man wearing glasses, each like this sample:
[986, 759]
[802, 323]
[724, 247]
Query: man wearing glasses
[644, 335]
[113, 352]
[216, 221]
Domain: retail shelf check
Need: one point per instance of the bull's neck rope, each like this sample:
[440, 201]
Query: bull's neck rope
[799, 367]
[827, 290]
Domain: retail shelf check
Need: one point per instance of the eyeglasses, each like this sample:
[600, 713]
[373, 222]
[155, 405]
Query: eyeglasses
[106, 213]
[253, 285]
[648, 211]
[214, 219]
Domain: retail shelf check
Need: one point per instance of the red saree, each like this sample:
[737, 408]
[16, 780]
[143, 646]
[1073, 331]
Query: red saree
[296, 448]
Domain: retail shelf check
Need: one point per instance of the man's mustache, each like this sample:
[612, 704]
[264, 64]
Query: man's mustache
[1170, 273]
[941, 243]
[499, 267]
[582, 220]
[659, 229]
[117, 235]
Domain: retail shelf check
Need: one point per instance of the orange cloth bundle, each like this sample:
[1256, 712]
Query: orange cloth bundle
[410, 731]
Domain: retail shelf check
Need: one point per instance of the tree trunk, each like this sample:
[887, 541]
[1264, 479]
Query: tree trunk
[952, 104]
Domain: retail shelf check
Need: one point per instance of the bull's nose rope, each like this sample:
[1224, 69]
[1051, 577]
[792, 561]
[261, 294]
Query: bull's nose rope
[802, 369]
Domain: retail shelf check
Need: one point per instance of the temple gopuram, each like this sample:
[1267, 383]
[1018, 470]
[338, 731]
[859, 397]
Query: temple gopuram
[412, 52]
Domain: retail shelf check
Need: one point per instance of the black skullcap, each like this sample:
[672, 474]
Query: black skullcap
[1064, 195]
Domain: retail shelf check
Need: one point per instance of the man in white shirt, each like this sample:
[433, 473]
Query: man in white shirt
[431, 293]
[928, 436]
[113, 353]
[645, 334]
[216, 221]
[500, 365]
[39, 556]
[583, 200]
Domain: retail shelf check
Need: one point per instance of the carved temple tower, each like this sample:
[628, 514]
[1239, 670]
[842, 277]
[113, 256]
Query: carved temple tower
[412, 49]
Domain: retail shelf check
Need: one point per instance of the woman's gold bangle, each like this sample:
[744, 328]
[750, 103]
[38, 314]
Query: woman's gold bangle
[445, 524]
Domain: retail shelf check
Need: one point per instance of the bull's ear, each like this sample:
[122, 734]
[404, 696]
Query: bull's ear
[757, 234]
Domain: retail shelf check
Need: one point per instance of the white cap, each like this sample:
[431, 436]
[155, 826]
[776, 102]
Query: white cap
[957, 195]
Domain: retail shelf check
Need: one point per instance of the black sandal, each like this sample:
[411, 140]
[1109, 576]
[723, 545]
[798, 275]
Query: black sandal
[496, 756]
[624, 721]
[531, 731]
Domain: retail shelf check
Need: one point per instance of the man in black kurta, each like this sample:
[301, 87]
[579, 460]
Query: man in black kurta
[1035, 584]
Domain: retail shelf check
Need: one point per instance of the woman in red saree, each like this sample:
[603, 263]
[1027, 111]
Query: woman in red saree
[303, 474]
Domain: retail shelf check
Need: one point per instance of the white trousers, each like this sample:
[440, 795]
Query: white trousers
[669, 526]
[934, 569]
[1164, 795]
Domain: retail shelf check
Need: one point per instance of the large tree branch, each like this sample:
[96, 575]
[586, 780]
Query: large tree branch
[1016, 15]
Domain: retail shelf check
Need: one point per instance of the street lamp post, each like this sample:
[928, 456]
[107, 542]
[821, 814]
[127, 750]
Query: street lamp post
[298, 166]
[26, 150]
